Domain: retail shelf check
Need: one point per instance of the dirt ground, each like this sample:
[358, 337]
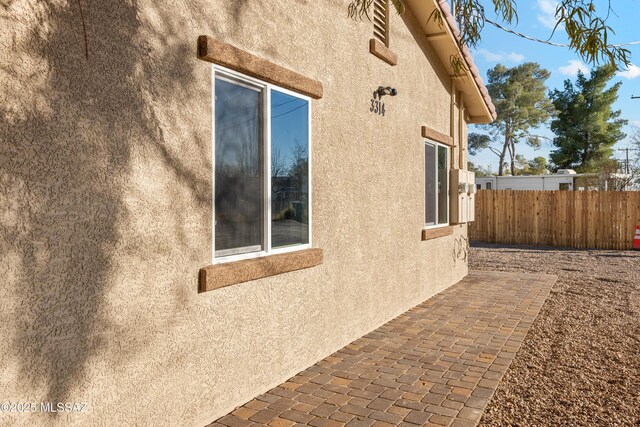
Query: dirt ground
[580, 362]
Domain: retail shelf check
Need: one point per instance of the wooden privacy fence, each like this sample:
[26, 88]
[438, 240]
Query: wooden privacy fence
[579, 219]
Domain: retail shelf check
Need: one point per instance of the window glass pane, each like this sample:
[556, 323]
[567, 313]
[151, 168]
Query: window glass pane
[443, 185]
[289, 170]
[238, 169]
[430, 183]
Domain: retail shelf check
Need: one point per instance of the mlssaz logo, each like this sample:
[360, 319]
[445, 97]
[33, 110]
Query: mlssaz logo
[63, 407]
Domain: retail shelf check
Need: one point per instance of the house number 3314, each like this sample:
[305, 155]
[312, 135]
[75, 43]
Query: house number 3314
[377, 107]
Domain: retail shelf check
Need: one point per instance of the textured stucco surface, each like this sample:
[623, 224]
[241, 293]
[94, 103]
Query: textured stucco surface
[218, 52]
[105, 205]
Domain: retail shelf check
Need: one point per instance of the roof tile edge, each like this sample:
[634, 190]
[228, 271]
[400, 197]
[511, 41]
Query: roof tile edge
[466, 54]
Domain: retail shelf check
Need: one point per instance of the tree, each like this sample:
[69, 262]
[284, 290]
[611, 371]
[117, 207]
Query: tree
[585, 24]
[634, 167]
[478, 170]
[586, 127]
[537, 166]
[521, 102]
[278, 162]
[635, 141]
[477, 142]
[299, 164]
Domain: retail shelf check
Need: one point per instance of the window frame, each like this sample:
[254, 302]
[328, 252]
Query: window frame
[427, 141]
[265, 88]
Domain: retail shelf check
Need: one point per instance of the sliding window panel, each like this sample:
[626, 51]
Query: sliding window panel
[289, 170]
[443, 185]
[239, 159]
[430, 184]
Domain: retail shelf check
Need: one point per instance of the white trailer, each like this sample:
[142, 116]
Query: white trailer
[563, 180]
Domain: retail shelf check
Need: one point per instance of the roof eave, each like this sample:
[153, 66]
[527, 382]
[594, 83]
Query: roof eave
[445, 41]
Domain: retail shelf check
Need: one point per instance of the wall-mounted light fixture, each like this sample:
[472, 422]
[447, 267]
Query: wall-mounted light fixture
[386, 91]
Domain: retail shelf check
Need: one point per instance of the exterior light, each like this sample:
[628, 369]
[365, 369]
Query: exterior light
[386, 91]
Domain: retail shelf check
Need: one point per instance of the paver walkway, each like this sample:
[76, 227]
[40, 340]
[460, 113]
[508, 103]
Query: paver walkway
[437, 364]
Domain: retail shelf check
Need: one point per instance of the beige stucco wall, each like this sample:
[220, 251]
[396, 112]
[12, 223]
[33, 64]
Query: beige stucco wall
[105, 206]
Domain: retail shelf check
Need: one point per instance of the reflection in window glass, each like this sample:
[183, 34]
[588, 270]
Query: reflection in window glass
[261, 168]
[238, 169]
[436, 179]
[289, 170]
[443, 185]
[430, 183]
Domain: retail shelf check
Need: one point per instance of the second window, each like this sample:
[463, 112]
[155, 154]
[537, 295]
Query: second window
[436, 170]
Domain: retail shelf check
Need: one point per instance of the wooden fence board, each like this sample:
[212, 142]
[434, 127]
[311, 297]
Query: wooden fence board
[580, 219]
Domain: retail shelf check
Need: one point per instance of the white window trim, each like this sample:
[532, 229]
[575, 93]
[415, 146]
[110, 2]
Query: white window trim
[267, 88]
[424, 162]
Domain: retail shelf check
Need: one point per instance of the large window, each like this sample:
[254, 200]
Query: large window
[261, 168]
[436, 178]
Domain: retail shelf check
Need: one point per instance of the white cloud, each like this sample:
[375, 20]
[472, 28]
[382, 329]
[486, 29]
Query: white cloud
[547, 13]
[635, 123]
[573, 67]
[514, 57]
[501, 56]
[632, 72]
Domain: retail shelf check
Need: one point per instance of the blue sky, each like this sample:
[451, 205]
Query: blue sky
[536, 19]
[289, 126]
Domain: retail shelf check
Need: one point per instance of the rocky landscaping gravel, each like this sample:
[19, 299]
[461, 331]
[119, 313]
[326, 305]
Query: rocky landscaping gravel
[580, 362]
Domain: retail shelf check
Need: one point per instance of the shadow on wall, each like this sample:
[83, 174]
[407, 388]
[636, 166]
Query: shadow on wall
[420, 39]
[66, 149]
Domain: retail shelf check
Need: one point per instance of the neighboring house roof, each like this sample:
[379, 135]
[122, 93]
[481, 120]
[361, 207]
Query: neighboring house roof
[445, 41]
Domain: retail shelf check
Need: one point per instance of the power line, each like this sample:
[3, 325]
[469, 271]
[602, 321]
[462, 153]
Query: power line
[524, 36]
[287, 102]
[254, 118]
[252, 109]
[508, 30]
[290, 111]
[626, 150]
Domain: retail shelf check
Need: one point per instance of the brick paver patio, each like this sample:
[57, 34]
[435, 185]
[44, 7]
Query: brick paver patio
[437, 364]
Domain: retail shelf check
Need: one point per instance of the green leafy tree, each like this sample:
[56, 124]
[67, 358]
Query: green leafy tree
[477, 142]
[519, 95]
[478, 170]
[585, 23]
[586, 127]
[537, 166]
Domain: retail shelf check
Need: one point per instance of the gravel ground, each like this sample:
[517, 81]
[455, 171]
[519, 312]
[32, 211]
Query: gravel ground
[580, 362]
